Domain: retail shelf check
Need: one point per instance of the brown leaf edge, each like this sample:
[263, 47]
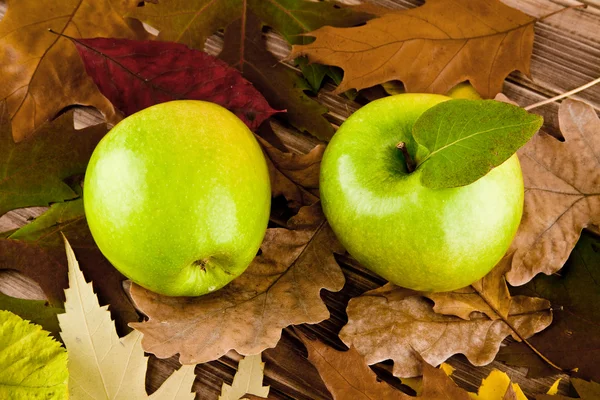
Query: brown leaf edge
[347, 376]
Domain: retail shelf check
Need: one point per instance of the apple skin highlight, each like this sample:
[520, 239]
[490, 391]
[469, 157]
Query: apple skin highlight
[420, 238]
[177, 197]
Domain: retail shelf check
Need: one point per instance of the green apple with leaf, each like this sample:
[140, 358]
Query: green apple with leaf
[426, 191]
[177, 197]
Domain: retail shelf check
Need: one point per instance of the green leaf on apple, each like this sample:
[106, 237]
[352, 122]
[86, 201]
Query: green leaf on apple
[460, 141]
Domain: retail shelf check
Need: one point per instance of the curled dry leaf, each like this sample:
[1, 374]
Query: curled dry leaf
[280, 288]
[46, 74]
[447, 41]
[562, 192]
[293, 175]
[390, 323]
[135, 74]
[32, 172]
[347, 376]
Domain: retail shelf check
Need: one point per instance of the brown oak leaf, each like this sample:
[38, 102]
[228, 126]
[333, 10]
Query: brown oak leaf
[32, 172]
[562, 192]
[294, 175]
[430, 48]
[280, 288]
[391, 322]
[45, 74]
[488, 295]
[347, 376]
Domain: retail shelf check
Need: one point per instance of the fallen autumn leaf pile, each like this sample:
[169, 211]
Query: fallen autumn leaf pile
[122, 56]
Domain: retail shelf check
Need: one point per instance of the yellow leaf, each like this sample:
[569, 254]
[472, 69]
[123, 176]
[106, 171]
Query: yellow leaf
[447, 368]
[101, 365]
[247, 380]
[494, 387]
[554, 388]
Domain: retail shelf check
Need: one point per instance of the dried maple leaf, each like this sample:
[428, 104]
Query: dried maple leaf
[389, 322]
[573, 339]
[293, 174]
[102, 365]
[37, 250]
[562, 192]
[347, 376]
[585, 390]
[45, 74]
[247, 380]
[192, 22]
[135, 74]
[32, 172]
[430, 48]
[281, 287]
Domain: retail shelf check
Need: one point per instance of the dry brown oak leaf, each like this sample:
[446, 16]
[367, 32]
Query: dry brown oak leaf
[430, 48]
[392, 323]
[562, 193]
[347, 376]
[488, 295]
[41, 72]
[292, 175]
[280, 288]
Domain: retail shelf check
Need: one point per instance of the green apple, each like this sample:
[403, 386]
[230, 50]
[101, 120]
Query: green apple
[177, 197]
[416, 237]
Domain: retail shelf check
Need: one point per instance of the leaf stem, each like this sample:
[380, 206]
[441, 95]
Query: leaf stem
[562, 10]
[562, 96]
[410, 164]
[514, 329]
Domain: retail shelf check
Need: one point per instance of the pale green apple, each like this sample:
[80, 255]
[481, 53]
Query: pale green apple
[413, 236]
[177, 197]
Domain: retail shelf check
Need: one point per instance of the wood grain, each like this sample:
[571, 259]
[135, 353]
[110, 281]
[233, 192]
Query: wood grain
[566, 54]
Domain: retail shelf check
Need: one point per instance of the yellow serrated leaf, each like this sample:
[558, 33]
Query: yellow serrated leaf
[494, 387]
[101, 365]
[554, 388]
[247, 380]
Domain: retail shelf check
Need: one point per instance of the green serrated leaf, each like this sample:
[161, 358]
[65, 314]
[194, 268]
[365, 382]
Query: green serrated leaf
[462, 140]
[313, 73]
[32, 172]
[32, 365]
[37, 311]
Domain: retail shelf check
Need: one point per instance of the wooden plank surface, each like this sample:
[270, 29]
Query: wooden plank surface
[566, 54]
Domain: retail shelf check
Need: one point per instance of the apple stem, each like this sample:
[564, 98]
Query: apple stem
[410, 164]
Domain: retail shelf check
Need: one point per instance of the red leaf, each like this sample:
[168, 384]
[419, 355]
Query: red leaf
[135, 74]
